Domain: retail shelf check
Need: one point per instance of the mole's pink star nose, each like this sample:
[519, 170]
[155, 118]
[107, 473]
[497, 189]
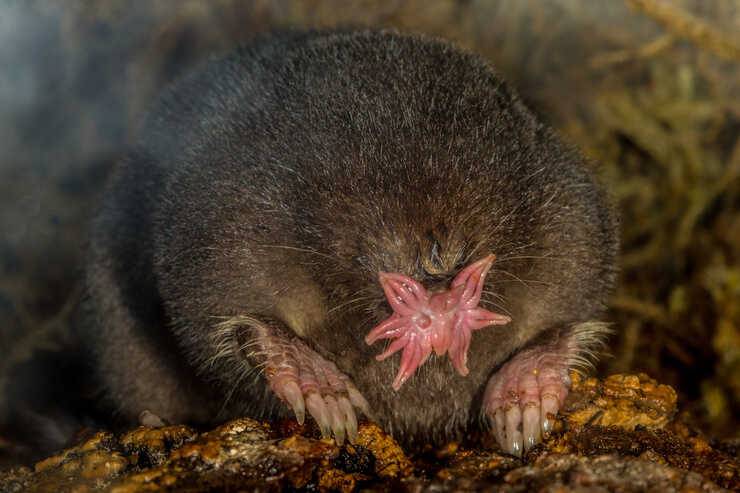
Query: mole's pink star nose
[442, 322]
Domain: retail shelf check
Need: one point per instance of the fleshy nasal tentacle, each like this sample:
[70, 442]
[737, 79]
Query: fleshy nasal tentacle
[479, 318]
[386, 329]
[405, 295]
[473, 278]
[442, 322]
[459, 350]
[400, 343]
[414, 355]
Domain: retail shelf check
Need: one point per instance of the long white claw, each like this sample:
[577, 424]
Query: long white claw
[531, 425]
[351, 420]
[317, 407]
[337, 419]
[516, 443]
[513, 435]
[500, 428]
[549, 411]
[293, 395]
[359, 401]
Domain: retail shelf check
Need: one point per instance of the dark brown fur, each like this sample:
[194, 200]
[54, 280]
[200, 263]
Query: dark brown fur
[278, 181]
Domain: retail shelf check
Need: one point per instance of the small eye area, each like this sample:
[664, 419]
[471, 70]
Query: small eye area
[431, 256]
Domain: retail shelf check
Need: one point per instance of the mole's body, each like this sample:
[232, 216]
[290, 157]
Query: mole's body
[236, 259]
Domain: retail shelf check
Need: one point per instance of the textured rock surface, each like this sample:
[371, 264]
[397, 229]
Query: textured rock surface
[616, 434]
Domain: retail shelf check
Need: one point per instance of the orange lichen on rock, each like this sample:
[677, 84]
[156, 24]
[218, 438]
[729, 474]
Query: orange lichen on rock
[156, 441]
[476, 465]
[625, 401]
[100, 464]
[337, 480]
[633, 415]
[391, 461]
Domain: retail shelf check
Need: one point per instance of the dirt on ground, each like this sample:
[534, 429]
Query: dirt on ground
[621, 433]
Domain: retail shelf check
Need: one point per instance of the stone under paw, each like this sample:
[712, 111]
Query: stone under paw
[151, 420]
[307, 382]
[522, 399]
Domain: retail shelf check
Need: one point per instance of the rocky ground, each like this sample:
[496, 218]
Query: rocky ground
[619, 434]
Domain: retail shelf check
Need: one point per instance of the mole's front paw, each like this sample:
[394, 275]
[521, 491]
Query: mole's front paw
[306, 381]
[523, 397]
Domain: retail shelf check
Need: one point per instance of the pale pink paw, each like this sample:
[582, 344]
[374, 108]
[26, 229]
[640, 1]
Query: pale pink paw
[524, 396]
[307, 382]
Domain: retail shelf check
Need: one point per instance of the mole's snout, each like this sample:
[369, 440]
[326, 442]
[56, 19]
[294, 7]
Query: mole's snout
[443, 322]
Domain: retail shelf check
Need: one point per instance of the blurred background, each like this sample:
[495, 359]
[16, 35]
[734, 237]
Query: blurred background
[649, 89]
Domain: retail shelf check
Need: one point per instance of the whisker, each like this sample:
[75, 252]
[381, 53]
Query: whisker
[508, 217]
[532, 257]
[497, 305]
[298, 249]
[351, 302]
[519, 279]
[525, 281]
[495, 294]
[244, 374]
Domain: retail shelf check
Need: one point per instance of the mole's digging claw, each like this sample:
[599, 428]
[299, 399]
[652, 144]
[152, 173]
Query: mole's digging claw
[513, 442]
[293, 396]
[359, 401]
[523, 397]
[531, 425]
[351, 419]
[337, 419]
[549, 411]
[318, 410]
